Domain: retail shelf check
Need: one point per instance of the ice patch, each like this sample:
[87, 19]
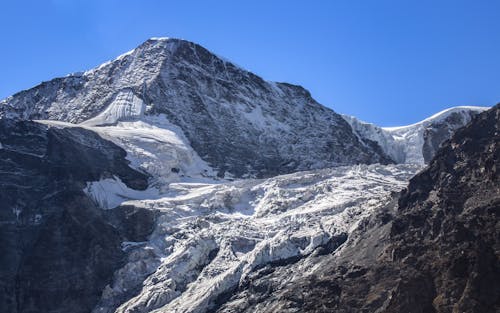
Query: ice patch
[109, 193]
[125, 105]
[404, 144]
[438, 117]
[156, 146]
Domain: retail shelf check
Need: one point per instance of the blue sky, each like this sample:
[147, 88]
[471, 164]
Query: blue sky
[387, 62]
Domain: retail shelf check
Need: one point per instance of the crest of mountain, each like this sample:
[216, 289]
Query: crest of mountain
[416, 143]
[241, 125]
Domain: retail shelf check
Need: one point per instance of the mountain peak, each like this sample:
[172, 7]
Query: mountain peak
[236, 121]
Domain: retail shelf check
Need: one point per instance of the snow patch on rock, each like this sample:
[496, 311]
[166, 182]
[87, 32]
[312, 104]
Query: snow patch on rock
[109, 193]
[125, 105]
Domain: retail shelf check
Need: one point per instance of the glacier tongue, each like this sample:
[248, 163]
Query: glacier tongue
[210, 237]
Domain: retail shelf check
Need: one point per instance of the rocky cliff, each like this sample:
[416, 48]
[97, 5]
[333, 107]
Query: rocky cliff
[58, 249]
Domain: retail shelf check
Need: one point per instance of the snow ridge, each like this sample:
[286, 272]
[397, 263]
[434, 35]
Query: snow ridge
[415, 143]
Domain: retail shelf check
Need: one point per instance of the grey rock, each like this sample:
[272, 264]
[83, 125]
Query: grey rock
[57, 248]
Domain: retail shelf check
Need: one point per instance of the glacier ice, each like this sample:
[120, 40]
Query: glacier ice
[210, 236]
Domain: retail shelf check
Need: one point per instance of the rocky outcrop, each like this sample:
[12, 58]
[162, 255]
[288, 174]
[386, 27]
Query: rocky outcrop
[57, 249]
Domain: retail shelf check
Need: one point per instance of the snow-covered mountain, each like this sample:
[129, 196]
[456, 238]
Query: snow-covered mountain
[171, 180]
[240, 124]
[416, 143]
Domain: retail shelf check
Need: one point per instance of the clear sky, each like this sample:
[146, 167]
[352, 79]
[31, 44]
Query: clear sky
[387, 62]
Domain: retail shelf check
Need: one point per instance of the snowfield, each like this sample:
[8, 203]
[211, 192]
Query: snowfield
[210, 237]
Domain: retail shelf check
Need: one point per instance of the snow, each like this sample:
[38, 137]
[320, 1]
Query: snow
[125, 105]
[17, 211]
[109, 193]
[154, 146]
[159, 148]
[437, 117]
[210, 236]
[404, 144]
[159, 38]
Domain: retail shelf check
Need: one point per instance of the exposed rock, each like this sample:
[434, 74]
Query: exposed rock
[57, 250]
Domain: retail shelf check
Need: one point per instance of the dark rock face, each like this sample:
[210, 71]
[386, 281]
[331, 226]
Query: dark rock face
[447, 226]
[438, 132]
[57, 249]
[236, 121]
[436, 249]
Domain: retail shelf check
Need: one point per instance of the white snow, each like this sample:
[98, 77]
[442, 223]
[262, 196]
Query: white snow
[109, 193]
[437, 117]
[159, 148]
[210, 237]
[159, 38]
[125, 105]
[154, 146]
[404, 143]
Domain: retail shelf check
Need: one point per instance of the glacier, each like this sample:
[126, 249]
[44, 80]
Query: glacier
[209, 238]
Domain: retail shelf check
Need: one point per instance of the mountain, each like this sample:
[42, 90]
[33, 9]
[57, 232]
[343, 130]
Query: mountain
[241, 125]
[416, 143]
[171, 180]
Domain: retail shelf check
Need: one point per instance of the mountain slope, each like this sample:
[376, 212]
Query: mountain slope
[240, 124]
[435, 249]
[82, 231]
[211, 238]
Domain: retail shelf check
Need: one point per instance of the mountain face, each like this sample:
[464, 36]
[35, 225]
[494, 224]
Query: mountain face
[58, 249]
[235, 121]
[434, 248]
[171, 180]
